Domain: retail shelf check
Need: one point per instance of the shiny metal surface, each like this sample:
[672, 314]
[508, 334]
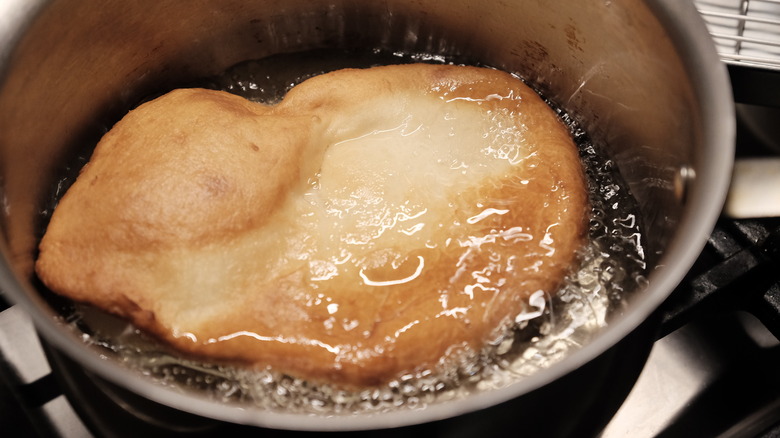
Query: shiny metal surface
[746, 32]
[641, 76]
[699, 370]
[23, 359]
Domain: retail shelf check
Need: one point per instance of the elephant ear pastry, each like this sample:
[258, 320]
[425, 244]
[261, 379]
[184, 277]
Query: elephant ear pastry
[372, 223]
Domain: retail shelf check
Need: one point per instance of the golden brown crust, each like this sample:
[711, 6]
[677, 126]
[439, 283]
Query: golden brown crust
[363, 227]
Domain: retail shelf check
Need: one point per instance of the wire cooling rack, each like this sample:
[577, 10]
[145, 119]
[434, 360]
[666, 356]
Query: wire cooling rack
[746, 32]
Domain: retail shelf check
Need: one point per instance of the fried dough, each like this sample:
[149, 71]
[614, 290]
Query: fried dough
[372, 223]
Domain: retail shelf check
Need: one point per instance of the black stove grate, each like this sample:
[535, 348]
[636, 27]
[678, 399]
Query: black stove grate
[739, 269]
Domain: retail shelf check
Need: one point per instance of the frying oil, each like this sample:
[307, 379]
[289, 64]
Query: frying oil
[612, 266]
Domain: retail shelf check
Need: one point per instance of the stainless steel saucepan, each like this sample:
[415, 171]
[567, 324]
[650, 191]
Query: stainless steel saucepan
[641, 77]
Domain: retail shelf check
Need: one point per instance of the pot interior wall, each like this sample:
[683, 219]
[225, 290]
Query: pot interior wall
[81, 65]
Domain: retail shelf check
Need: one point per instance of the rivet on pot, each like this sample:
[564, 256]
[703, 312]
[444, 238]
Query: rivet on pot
[682, 181]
